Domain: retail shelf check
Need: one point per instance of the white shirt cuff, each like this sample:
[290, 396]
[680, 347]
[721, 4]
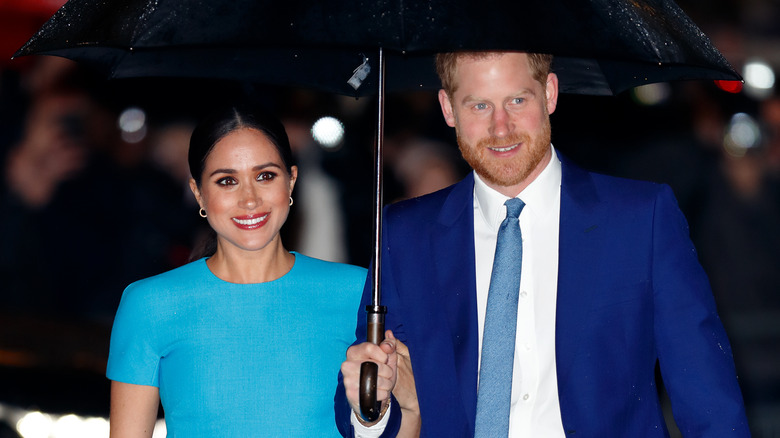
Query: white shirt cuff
[374, 431]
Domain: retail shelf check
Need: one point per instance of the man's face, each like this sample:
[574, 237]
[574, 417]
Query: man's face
[501, 117]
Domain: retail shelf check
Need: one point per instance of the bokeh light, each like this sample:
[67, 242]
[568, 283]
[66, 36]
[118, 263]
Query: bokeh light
[759, 79]
[132, 122]
[742, 134]
[328, 132]
[652, 94]
[733, 87]
[35, 425]
[67, 426]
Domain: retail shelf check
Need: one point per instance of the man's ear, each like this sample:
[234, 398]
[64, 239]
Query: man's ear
[551, 91]
[446, 108]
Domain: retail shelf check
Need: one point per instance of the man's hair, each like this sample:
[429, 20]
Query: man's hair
[446, 62]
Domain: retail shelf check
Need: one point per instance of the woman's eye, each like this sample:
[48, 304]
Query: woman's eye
[226, 181]
[266, 176]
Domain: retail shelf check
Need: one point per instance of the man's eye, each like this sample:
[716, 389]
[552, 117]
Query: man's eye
[480, 106]
[266, 176]
[518, 100]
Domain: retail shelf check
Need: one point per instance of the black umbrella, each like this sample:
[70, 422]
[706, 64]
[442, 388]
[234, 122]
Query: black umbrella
[345, 46]
[601, 46]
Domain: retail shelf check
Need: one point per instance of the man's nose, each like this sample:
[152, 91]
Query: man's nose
[501, 123]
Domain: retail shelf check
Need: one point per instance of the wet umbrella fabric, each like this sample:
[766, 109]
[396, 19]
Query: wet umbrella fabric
[601, 46]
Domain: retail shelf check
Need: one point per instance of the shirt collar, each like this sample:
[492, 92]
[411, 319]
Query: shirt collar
[536, 196]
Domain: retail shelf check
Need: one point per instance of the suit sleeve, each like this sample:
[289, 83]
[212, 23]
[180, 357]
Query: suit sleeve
[694, 353]
[389, 299]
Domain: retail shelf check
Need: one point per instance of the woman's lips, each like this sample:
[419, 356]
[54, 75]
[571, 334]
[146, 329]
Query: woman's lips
[250, 222]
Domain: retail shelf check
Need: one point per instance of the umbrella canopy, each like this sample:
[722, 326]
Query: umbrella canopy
[601, 46]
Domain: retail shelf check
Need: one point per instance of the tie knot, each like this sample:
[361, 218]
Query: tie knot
[513, 207]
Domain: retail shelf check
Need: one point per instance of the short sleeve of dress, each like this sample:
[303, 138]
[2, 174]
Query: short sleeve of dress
[134, 356]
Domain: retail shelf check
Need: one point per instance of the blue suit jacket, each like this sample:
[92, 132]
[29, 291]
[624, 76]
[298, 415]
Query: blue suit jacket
[631, 293]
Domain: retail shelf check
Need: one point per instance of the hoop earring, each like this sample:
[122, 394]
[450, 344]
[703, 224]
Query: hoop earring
[202, 212]
[291, 201]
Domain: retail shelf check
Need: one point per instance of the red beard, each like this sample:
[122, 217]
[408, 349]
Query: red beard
[507, 171]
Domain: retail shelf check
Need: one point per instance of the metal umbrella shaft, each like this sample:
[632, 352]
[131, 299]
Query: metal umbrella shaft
[375, 313]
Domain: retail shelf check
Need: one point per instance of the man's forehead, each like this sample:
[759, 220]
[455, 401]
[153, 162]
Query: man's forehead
[509, 77]
[471, 58]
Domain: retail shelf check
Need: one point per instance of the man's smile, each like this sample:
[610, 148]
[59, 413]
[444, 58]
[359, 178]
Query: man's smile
[504, 149]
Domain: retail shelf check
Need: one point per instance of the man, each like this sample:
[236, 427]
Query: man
[610, 286]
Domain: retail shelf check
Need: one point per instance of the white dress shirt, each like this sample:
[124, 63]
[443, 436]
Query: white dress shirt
[535, 407]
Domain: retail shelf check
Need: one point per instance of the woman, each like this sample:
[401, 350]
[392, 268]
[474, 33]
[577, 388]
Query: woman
[249, 340]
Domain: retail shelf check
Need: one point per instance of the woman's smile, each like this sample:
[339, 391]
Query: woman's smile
[251, 222]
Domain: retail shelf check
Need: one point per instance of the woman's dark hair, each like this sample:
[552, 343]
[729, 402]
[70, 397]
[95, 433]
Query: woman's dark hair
[228, 119]
[216, 126]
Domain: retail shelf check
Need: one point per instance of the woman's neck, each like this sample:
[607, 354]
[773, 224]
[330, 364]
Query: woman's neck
[235, 265]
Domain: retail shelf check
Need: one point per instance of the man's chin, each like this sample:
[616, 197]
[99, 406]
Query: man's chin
[506, 178]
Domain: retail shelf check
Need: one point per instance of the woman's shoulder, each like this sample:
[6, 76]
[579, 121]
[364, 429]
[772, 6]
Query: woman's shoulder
[325, 267]
[175, 278]
[333, 285]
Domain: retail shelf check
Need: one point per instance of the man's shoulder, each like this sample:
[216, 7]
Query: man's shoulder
[432, 203]
[609, 186]
[623, 184]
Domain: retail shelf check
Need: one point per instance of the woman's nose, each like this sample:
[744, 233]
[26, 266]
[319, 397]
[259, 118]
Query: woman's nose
[250, 197]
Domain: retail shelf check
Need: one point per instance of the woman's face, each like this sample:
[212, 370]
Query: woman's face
[245, 190]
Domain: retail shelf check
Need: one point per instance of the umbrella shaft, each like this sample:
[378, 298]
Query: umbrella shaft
[378, 164]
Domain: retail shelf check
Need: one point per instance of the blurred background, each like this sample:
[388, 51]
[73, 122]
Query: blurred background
[93, 195]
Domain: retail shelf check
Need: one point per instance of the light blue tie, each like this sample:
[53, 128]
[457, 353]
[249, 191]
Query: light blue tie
[494, 396]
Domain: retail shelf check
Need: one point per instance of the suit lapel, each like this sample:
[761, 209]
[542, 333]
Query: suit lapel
[452, 240]
[579, 220]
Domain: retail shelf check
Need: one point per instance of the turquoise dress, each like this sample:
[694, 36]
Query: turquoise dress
[239, 360]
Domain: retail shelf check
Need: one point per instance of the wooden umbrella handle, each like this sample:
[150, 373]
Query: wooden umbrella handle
[369, 406]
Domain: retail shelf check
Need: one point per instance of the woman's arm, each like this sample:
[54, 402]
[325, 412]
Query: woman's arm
[133, 410]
